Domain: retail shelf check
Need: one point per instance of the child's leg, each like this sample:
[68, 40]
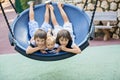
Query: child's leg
[31, 12]
[33, 25]
[53, 18]
[46, 17]
[64, 16]
[57, 27]
[46, 26]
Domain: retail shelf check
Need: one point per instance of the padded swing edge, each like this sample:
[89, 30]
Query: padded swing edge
[44, 58]
[50, 58]
[84, 45]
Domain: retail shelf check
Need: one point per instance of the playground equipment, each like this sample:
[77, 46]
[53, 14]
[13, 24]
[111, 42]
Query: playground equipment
[82, 27]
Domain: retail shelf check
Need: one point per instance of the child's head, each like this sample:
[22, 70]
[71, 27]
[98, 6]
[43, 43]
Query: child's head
[63, 37]
[40, 37]
[50, 42]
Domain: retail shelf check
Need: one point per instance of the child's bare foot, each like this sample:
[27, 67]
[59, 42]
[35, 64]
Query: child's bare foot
[47, 5]
[47, 1]
[1, 1]
[60, 5]
[30, 3]
[51, 7]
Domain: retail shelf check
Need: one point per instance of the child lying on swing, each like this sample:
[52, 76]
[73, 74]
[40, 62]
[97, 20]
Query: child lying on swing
[38, 34]
[41, 38]
[64, 35]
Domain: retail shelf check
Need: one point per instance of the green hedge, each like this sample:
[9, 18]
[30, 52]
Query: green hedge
[22, 4]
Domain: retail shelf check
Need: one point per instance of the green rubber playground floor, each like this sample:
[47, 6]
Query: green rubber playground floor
[94, 63]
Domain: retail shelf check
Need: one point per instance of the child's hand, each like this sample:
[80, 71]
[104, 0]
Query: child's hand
[49, 31]
[62, 47]
[43, 51]
[58, 50]
[41, 47]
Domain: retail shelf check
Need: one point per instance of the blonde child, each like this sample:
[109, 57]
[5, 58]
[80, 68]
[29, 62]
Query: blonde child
[51, 45]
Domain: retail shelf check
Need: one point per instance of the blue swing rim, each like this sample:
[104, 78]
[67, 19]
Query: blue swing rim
[82, 45]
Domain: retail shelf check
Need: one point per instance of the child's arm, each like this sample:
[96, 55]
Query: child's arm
[31, 50]
[75, 49]
[42, 50]
[58, 50]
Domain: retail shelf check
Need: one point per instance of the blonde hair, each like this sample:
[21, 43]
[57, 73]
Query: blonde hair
[50, 39]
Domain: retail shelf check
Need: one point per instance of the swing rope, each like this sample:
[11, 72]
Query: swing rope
[85, 4]
[93, 14]
[13, 6]
[6, 19]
